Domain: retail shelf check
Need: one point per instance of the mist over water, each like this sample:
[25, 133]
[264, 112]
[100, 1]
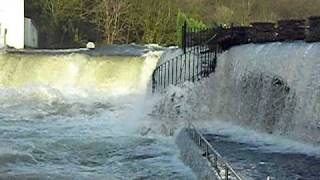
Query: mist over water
[78, 116]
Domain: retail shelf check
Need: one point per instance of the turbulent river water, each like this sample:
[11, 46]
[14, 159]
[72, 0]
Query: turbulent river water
[67, 115]
[267, 96]
[87, 114]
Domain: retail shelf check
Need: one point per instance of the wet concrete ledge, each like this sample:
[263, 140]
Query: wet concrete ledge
[191, 155]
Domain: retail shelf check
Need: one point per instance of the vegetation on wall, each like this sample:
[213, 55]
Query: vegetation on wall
[72, 23]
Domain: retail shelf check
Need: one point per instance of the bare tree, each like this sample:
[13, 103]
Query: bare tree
[108, 16]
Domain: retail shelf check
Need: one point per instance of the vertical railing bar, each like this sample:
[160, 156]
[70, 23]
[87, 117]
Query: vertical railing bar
[194, 39]
[188, 37]
[197, 67]
[193, 36]
[172, 71]
[177, 59]
[168, 73]
[153, 82]
[208, 67]
[185, 67]
[205, 62]
[184, 37]
[226, 173]
[216, 58]
[207, 151]
[210, 62]
[189, 67]
[193, 75]
[208, 59]
[202, 37]
[180, 68]
[215, 161]
[160, 75]
[201, 66]
[204, 67]
[156, 79]
[191, 39]
[165, 75]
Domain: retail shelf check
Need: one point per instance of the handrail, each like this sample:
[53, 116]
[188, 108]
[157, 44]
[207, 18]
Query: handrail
[184, 67]
[224, 171]
[196, 62]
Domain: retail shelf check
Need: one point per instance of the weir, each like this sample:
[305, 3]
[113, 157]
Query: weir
[76, 115]
[77, 72]
[271, 88]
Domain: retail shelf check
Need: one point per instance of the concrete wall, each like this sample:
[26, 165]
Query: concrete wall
[12, 19]
[30, 34]
[191, 155]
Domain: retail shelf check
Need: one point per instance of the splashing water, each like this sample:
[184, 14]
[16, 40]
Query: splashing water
[262, 96]
[271, 88]
[77, 116]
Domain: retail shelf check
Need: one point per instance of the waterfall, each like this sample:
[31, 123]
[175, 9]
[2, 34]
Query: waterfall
[272, 88]
[77, 73]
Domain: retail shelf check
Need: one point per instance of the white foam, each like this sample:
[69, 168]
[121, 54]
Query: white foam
[240, 93]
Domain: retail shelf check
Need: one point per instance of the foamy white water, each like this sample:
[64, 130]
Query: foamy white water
[78, 116]
[271, 88]
[260, 108]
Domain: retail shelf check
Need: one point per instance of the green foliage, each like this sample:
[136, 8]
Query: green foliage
[191, 23]
[72, 23]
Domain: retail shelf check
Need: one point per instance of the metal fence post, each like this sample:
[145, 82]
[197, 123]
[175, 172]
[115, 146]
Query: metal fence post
[153, 82]
[207, 151]
[226, 173]
[184, 37]
[215, 161]
[5, 37]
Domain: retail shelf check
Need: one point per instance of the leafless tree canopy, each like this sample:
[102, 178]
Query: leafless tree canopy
[74, 22]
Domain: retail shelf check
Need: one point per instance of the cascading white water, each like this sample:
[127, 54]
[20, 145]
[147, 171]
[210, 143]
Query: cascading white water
[272, 88]
[260, 110]
[78, 116]
[78, 73]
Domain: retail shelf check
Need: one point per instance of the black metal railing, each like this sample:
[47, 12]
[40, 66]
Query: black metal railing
[185, 67]
[192, 38]
[196, 62]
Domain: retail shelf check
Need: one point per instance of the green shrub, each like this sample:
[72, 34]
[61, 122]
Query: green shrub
[191, 23]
